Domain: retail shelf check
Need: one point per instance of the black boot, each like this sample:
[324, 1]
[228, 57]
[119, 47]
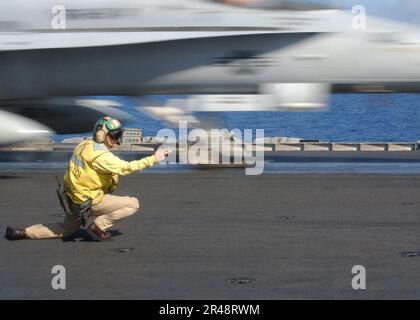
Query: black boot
[15, 234]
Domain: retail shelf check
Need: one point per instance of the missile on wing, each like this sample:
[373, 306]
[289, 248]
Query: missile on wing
[39, 118]
[16, 128]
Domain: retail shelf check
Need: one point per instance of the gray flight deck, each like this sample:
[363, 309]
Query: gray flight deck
[294, 236]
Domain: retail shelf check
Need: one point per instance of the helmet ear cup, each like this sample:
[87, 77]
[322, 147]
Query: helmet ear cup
[100, 136]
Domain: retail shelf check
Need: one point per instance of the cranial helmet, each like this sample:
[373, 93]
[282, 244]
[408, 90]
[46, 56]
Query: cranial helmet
[108, 126]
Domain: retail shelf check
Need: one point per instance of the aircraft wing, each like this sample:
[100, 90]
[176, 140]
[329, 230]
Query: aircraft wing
[102, 38]
[187, 47]
[25, 27]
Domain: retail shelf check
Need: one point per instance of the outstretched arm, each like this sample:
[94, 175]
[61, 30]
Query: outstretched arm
[108, 163]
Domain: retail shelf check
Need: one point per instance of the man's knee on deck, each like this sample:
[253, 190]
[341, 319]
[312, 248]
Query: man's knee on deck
[133, 203]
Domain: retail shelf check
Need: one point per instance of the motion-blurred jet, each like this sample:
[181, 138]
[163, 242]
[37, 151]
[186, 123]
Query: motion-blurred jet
[226, 57]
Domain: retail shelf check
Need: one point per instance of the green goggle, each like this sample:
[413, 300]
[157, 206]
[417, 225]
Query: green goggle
[116, 135]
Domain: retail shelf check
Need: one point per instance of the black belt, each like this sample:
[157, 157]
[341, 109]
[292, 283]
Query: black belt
[71, 208]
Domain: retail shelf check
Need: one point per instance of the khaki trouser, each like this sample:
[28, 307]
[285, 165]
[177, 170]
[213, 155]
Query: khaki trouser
[107, 212]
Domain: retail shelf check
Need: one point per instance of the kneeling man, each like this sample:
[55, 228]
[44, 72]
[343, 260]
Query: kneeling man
[91, 177]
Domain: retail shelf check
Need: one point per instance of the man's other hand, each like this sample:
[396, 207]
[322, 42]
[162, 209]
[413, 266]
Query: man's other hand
[161, 154]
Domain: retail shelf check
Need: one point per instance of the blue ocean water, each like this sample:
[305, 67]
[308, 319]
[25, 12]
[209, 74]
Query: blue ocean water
[350, 117]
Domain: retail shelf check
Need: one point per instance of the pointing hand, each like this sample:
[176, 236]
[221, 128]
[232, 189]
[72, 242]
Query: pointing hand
[161, 154]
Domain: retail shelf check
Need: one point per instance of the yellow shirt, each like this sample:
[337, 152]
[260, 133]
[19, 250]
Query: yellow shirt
[93, 171]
